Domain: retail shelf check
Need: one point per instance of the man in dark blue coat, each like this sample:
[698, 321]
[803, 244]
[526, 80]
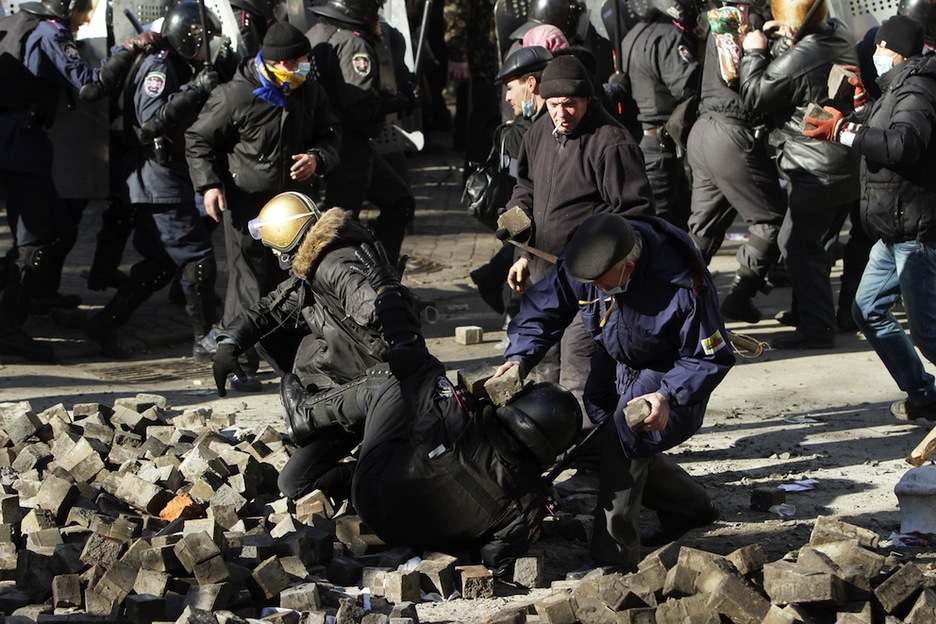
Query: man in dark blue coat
[645, 295]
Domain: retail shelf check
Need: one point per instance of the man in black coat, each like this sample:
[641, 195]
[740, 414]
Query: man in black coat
[898, 205]
[266, 131]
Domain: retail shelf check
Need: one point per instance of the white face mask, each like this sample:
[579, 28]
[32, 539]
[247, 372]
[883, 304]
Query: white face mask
[882, 63]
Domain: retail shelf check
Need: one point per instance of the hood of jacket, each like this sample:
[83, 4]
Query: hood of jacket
[336, 228]
[922, 65]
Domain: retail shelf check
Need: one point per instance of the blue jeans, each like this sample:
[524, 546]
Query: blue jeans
[907, 270]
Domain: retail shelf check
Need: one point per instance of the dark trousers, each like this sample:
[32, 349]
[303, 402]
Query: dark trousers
[627, 483]
[668, 180]
[732, 173]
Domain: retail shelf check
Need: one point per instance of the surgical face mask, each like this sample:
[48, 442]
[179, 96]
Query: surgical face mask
[882, 63]
[620, 288]
[528, 107]
[292, 78]
[304, 70]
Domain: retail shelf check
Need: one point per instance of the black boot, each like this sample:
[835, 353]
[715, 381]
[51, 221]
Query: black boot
[117, 223]
[47, 295]
[346, 406]
[24, 273]
[146, 277]
[738, 304]
[198, 281]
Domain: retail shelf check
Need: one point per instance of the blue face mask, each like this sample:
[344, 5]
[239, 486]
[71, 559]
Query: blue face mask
[528, 108]
[882, 64]
[617, 290]
[304, 70]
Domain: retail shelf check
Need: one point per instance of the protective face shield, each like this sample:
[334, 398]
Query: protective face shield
[283, 222]
[545, 419]
[59, 9]
[182, 28]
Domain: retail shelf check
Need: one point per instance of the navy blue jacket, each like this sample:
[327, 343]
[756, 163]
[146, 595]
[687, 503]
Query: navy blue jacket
[659, 335]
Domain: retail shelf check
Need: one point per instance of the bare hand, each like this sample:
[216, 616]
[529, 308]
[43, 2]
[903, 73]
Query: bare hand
[458, 72]
[303, 167]
[518, 274]
[755, 40]
[659, 411]
[506, 366]
[214, 203]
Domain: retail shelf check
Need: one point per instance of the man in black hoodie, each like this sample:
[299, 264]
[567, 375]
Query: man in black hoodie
[898, 206]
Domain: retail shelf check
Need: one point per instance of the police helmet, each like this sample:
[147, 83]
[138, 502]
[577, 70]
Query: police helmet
[352, 12]
[544, 418]
[284, 220]
[924, 11]
[182, 28]
[570, 16]
[262, 8]
[686, 12]
[57, 9]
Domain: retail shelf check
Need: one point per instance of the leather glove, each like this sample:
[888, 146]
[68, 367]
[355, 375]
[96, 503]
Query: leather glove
[225, 363]
[376, 268]
[861, 95]
[395, 102]
[825, 129]
[144, 42]
[206, 80]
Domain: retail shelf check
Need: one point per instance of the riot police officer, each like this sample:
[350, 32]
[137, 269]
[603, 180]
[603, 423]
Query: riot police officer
[162, 98]
[38, 57]
[254, 18]
[659, 65]
[344, 62]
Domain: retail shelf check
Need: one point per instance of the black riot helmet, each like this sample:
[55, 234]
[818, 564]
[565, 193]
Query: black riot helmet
[925, 12]
[57, 9]
[352, 12]
[569, 16]
[261, 8]
[686, 12]
[544, 418]
[182, 28]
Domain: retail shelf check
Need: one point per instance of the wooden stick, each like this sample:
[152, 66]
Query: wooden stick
[924, 449]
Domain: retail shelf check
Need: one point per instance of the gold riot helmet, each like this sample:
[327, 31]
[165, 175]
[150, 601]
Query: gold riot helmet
[284, 220]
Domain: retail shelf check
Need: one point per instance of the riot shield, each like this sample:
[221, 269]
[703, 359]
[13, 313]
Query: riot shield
[146, 11]
[509, 15]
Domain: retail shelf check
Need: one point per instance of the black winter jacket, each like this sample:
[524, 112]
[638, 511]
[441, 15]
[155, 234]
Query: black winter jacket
[898, 171]
[243, 141]
[823, 173]
[325, 304]
[563, 179]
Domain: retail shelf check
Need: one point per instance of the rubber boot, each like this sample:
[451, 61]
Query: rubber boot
[738, 304]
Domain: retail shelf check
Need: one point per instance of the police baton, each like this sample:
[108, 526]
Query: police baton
[137, 26]
[423, 28]
[203, 15]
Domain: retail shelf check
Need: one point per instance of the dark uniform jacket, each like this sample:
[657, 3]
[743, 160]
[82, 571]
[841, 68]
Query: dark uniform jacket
[242, 140]
[662, 70]
[823, 173]
[665, 326]
[717, 99]
[325, 304]
[443, 475]
[563, 179]
[898, 171]
[345, 64]
[158, 78]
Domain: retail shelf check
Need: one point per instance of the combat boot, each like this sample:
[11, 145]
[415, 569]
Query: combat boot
[738, 304]
[117, 223]
[100, 328]
[21, 283]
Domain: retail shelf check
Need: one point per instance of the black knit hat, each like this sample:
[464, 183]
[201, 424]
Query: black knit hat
[901, 34]
[528, 60]
[565, 76]
[284, 42]
[598, 244]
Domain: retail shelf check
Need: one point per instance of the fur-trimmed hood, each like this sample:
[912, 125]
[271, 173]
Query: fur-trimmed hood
[336, 228]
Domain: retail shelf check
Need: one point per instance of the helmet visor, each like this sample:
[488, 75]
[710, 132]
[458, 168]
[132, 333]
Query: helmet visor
[255, 225]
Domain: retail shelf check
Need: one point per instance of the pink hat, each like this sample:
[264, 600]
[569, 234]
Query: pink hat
[546, 35]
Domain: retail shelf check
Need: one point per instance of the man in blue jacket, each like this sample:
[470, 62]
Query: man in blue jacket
[645, 295]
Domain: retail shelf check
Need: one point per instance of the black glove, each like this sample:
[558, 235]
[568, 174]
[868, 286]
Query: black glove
[206, 80]
[394, 102]
[376, 268]
[145, 42]
[225, 363]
